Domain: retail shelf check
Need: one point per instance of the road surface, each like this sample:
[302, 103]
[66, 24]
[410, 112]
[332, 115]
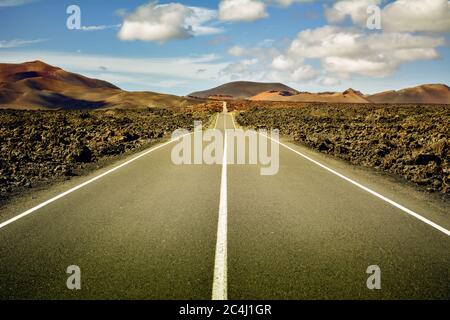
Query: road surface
[153, 230]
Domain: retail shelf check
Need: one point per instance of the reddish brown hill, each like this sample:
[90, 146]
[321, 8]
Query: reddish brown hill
[241, 90]
[37, 85]
[348, 96]
[42, 73]
[428, 93]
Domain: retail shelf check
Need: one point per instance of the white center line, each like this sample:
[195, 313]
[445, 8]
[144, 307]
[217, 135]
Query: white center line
[217, 121]
[220, 265]
[374, 193]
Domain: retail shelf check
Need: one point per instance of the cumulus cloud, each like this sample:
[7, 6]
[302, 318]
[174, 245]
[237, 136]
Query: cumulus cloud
[249, 10]
[248, 69]
[282, 63]
[301, 72]
[329, 82]
[198, 17]
[417, 15]
[345, 51]
[162, 22]
[242, 10]
[327, 41]
[341, 52]
[398, 16]
[355, 9]
[261, 63]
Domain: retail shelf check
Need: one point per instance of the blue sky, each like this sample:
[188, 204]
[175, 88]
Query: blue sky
[185, 46]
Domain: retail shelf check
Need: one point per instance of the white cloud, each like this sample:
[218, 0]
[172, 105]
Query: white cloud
[252, 64]
[343, 66]
[16, 43]
[341, 52]
[155, 22]
[395, 41]
[282, 63]
[286, 3]
[329, 82]
[350, 51]
[417, 15]
[14, 3]
[261, 51]
[397, 16]
[326, 41]
[304, 72]
[246, 69]
[237, 51]
[100, 27]
[197, 19]
[267, 64]
[266, 43]
[250, 10]
[242, 10]
[356, 9]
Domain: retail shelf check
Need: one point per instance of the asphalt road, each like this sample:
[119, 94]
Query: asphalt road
[149, 230]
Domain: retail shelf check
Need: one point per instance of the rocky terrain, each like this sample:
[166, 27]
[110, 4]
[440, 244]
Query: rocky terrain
[410, 141]
[40, 147]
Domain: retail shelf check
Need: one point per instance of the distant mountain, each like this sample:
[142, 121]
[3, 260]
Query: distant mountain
[241, 90]
[37, 85]
[428, 93]
[348, 96]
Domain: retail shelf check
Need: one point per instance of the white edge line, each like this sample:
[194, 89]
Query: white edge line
[219, 292]
[376, 194]
[40, 206]
[217, 120]
[234, 123]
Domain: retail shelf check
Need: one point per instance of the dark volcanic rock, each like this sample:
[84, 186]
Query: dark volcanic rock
[38, 147]
[426, 158]
[82, 154]
[411, 141]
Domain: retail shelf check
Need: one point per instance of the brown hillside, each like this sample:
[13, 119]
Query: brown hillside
[37, 85]
[429, 94]
[241, 90]
[349, 96]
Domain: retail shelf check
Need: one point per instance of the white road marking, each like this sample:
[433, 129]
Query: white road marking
[376, 194]
[234, 123]
[217, 121]
[46, 203]
[220, 265]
